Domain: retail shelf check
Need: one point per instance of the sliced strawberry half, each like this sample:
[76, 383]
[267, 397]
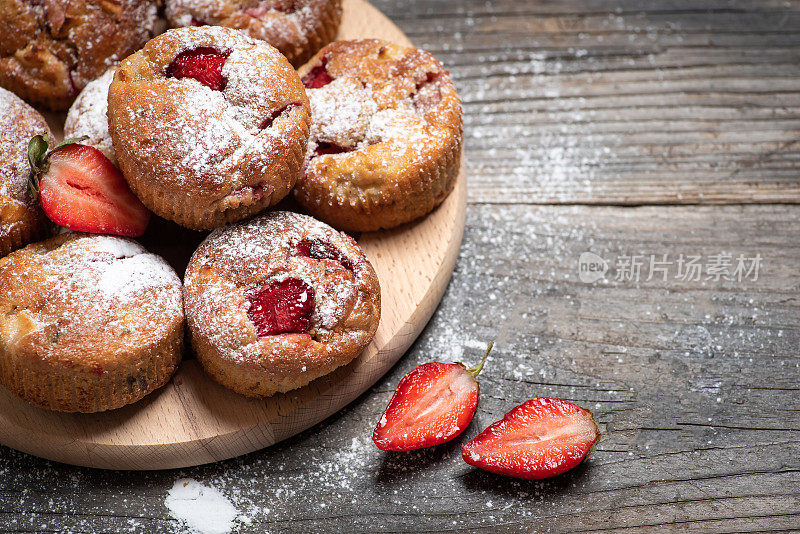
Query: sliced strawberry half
[80, 189]
[281, 307]
[433, 403]
[203, 64]
[540, 438]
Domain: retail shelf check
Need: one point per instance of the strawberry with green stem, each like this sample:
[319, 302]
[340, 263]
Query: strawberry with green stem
[80, 189]
[433, 404]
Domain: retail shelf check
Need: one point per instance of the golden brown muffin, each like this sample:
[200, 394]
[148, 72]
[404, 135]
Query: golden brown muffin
[385, 143]
[209, 126]
[21, 218]
[88, 116]
[298, 28]
[88, 322]
[52, 48]
[277, 301]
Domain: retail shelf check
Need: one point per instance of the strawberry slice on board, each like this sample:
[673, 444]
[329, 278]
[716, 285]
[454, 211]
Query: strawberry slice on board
[80, 189]
[433, 403]
[540, 438]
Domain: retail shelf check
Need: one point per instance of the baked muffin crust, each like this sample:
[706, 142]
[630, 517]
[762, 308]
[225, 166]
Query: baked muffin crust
[88, 322]
[298, 28]
[386, 135]
[88, 116]
[21, 218]
[205, 156]
[51, 49]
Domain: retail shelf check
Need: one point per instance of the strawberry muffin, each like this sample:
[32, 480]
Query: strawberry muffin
[51, 49]
[88, 322]
[88, 116]
[277, 301]
[386, 128]
[209, 126]
[298, 28]
[21, 218]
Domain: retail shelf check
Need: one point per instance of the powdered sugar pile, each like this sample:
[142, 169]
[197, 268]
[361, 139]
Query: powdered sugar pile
[342, 112]
[88, 116]
[115, 268]
[129, 275]
[99, 279]
[203, 509]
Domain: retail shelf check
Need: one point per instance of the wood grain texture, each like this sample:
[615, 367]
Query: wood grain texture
[193, 420]
[622, 102]
[695, 384]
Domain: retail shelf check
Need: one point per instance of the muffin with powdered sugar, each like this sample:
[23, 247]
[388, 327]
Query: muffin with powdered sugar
[50, 50]
[386, 126]
[88, 322]
[209, 126]
[278, 301]
[88, 116]
[298, 28]
[21, 218]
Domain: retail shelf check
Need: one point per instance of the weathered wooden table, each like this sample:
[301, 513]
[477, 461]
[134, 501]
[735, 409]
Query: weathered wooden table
[663, 137]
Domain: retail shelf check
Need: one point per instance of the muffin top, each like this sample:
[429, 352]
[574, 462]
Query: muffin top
[239, 261]
[279, 300]
[372, 99]
[298, 28]
[209, 112]
[89, 299]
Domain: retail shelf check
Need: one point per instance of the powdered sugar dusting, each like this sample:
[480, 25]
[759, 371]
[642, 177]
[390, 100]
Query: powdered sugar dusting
[345, 113]
[289, 26]
[103, 271]
[18, 124]
[88, 115]
[235, 262]
[217, 140]
[84, 38]
[269, 242]
[342, 112]
[89, 289]
[126, 277]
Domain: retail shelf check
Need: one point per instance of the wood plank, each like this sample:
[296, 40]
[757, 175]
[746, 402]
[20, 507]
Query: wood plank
[694, 383]
[624, 102]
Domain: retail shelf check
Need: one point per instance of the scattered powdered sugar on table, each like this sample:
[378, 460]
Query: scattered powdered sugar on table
[202, 509]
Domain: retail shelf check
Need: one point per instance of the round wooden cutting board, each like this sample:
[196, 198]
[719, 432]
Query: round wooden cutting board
[193, 420]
